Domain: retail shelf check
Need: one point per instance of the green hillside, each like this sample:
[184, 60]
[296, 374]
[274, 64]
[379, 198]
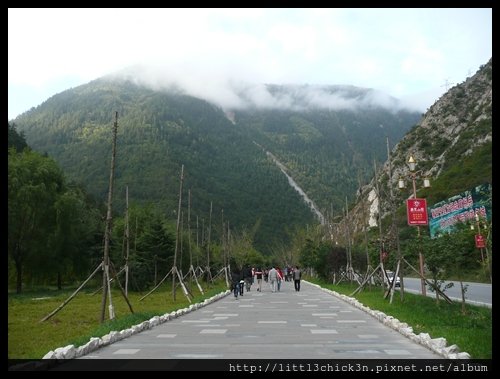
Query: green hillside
[159, 131]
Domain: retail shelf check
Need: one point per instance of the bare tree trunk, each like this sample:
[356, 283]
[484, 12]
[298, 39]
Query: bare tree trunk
[107, 233]
[174, 268]
[72, 295]
[380, 232]
[462, 291]
[127, 239]
[209, 275]
[395, 226]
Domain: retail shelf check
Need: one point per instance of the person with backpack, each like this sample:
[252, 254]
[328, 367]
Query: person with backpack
[235, 281]
[258, 274]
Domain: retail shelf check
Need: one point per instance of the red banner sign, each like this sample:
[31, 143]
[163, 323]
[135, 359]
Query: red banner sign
[416, 210]
[480, 243]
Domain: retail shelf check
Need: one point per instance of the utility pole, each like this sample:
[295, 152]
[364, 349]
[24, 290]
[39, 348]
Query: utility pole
[447, 84]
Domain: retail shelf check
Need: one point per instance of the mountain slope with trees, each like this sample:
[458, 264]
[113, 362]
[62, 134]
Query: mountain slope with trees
[324, 149]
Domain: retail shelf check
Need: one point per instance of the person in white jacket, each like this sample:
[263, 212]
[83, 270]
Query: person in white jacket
[273, 279]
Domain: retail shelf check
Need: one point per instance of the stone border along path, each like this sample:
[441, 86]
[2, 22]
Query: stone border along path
[437, 345]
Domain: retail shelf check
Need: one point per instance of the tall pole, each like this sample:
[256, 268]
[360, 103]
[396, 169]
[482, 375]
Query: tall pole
[349, 254]
[189, 230]
[399, 272]
[177, 233]
[420, 255]
[181, 244]
[228, 259]
[222, 239]
[209, 275]
[106, 289]
[197, 235]
[379, 209]
[202, 231]
[224, 248]
[127, 235]
[364, 226]
[197, 244]
[135, 236]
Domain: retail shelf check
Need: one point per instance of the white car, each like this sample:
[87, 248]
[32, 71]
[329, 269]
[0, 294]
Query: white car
[390, 275]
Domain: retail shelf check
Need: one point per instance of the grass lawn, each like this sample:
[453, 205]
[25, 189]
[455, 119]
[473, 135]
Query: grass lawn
[471, 332]
[79, 319]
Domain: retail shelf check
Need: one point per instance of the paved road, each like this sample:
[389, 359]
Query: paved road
[310, 324]
[477, 293]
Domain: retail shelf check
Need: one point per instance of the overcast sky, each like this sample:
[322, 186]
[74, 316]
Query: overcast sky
[411, 54]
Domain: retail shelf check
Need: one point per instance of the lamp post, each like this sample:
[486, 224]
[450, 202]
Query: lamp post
[414, 175]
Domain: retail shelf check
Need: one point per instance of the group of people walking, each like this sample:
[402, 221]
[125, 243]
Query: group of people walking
[274, 276]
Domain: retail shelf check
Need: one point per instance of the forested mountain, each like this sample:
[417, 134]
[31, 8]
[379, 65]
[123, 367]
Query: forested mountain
[327, 151]
[324, 149]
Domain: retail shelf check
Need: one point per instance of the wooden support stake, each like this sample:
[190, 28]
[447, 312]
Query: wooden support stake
[72, 295]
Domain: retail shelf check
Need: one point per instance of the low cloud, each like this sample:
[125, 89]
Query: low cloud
[232, 94]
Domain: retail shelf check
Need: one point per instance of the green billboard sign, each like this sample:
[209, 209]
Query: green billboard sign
[443, 216]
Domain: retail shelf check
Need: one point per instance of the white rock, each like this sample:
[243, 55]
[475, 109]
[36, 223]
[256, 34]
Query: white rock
[50, 355]
[451, 349]
[164, 318]
[125, 333]
[439, 343]
[463, 355]
[66, 352]
[408, 330]
[153, 321]
[93, 344]
[59, 353]
[80, 351]
[425, 336]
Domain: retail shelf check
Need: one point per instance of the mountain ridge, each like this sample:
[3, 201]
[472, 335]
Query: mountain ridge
[159, 131]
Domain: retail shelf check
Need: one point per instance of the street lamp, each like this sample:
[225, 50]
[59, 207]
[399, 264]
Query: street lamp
[414, 175]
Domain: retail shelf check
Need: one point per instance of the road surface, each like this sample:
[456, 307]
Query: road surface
[477, 293]
[310, 324]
